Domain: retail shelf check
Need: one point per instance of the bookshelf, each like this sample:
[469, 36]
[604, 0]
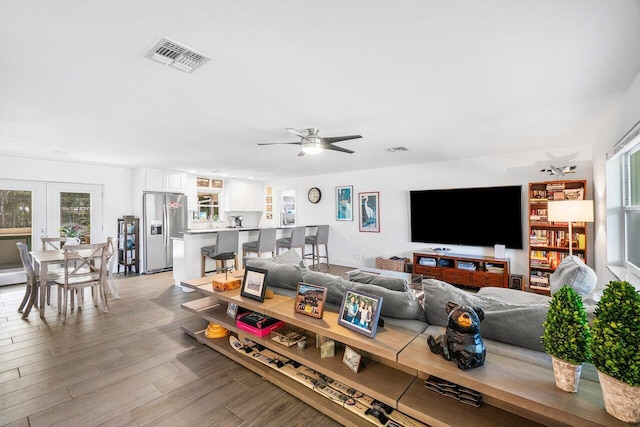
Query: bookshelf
[549, 241]
[128, 248]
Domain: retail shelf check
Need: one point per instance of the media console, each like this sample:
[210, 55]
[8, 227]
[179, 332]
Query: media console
[476, 271]
[397, 362]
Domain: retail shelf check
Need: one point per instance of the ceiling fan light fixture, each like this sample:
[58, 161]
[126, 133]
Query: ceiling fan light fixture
[313, 147]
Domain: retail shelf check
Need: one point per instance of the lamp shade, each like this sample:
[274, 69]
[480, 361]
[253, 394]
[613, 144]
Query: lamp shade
[570, 210]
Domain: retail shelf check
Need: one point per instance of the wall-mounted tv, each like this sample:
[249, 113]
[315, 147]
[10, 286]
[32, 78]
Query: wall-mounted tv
[481, 216]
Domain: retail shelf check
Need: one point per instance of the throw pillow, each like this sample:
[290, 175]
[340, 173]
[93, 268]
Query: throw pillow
[392, 283]
[573, 272]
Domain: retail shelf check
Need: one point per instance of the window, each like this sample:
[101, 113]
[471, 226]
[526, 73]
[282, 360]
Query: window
[623, 207]
[631, 188]
[209, 206]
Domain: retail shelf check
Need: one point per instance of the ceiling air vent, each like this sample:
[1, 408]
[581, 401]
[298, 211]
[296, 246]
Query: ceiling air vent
[396, 149]
[176, 55]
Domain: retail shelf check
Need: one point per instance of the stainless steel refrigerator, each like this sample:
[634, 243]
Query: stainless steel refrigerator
[165, 216]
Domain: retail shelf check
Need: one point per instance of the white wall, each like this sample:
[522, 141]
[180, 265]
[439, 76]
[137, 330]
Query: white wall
[116, 182]
[349, 247]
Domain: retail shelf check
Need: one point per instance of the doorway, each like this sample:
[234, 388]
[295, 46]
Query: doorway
[288, 207]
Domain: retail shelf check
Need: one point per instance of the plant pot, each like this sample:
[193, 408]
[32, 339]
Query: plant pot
[620, 399]
[567, 374]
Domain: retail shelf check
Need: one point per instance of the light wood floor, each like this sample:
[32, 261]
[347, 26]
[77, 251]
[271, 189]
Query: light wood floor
[132, 366]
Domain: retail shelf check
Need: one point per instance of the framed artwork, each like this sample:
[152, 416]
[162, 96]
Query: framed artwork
[310, 300]
[351, 359]
[269, 208]
[269, 191]
[232, 310]
[269, 199]
[344, 203]
[254, 283]
[370, 211]
[360, 311]
[269, 216]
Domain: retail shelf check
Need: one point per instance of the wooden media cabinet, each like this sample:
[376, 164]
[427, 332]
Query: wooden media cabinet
[476, 271]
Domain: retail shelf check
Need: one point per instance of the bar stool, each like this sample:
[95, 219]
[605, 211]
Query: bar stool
[266, 243]
[296, 240]
[320, 238]
[226, 248]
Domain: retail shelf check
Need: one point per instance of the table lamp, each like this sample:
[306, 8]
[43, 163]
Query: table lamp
[570, 211]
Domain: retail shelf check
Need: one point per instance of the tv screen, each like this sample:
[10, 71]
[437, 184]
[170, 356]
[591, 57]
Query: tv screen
[482, 216]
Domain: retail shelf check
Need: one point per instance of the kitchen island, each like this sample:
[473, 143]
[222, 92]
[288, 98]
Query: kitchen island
[187, 258]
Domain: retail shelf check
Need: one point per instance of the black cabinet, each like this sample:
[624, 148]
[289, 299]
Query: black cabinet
[128, 244]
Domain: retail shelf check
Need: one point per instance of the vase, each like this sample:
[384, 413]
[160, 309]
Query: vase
[72, 241]
[620, 399]
[567, 374]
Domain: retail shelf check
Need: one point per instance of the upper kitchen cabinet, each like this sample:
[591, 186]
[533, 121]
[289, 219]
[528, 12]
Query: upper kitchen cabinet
[244, 195]
[164, 180]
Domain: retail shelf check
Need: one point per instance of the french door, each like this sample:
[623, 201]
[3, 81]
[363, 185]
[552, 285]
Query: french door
[30, 210]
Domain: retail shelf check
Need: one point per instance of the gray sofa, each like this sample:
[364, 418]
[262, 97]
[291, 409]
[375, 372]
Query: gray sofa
[512, 326]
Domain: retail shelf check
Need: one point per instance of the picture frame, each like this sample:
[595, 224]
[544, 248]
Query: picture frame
[232, 310]
[269, 199]
[269, 191]
[269, 208]
[310, 300]
[350, 315]
[254, 283]
[351, 359]
[269, 216]
[369, 212]
[344, 203]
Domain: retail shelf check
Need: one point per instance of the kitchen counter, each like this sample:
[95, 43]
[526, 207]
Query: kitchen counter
[187, 259]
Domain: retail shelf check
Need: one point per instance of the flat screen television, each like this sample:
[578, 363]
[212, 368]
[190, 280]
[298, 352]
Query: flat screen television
[481, 216]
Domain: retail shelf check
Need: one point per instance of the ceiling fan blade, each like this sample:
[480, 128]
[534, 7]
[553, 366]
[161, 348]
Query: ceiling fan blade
[336, 148]
[276, 143]
[301, 153]
[296, 133]
[340, 138]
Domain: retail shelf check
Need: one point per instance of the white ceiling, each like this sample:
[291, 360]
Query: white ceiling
[446, 79]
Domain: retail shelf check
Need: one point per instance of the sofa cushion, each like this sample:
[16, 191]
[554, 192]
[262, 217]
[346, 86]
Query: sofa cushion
[280, 275]
[514, 323]
[401, 305]
[392, 283]
[573, 272]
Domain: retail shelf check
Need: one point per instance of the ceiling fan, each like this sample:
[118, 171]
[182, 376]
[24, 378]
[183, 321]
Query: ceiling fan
[313, 144]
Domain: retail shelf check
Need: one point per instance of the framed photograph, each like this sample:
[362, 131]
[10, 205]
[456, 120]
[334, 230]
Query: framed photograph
[232, 310]
[344, 203]
[269, 191]
[269, 208]
[370, 211]
[360, 311]
[351, 359]
[254, 283]
[269, 216]
[310, 300]
[269, 199]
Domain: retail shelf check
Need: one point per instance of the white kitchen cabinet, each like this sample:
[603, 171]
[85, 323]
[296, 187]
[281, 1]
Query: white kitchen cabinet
[164, 180]
[244, 195]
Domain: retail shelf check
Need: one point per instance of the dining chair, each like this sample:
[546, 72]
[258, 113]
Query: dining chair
[33, 281]
[321, 237]
[266, 243]
[52, 243]
[111, 260]
[226, 248]
[85, 267]
[295, 240]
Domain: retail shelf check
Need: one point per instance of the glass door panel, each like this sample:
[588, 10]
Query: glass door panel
[75, 210]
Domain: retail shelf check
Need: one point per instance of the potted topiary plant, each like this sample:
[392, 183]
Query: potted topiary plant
[567, 337]
[616, 350]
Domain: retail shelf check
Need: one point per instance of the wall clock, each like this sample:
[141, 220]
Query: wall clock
[314, 195]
